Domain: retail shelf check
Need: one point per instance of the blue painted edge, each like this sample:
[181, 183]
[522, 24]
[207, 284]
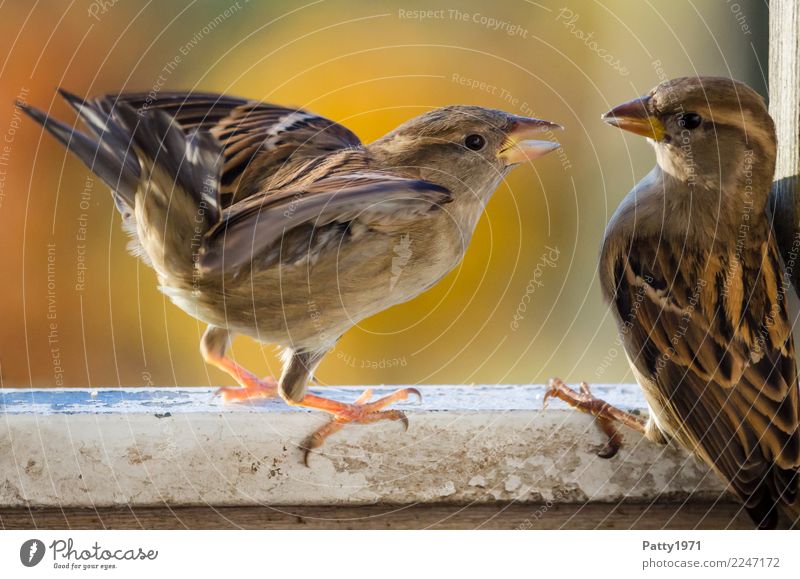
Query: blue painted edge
[156, 400]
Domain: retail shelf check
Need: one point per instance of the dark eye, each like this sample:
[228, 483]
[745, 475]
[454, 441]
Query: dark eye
[691, 121]
[475, 142]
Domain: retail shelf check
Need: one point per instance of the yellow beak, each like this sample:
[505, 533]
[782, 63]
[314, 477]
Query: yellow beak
[519, 148]
[634, 116]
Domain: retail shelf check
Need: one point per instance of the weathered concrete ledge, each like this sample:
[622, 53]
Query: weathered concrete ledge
[141, 447]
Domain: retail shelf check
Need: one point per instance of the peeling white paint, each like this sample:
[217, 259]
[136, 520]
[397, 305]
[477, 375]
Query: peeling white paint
[477, 481]
[134, 451]
[513, 483]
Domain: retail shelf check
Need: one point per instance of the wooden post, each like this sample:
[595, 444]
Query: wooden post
[784, 106]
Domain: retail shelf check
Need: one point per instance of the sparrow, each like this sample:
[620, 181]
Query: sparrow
[692, 272]
[281, 225]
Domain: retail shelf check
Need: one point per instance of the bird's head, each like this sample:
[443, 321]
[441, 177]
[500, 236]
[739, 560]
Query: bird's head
[467, 149]
[706, 130]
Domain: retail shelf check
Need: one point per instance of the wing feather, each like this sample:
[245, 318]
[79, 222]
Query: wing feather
[255, 136]
[709, 334]
[251, 227]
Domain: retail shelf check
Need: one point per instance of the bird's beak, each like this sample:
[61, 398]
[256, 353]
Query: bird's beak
[519, 147]
[634, 116]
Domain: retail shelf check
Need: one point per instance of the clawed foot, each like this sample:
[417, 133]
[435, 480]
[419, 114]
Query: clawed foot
[254, 390]
[361, 411]
[605, 414]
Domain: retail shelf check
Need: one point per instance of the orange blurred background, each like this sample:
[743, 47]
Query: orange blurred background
[77, 310]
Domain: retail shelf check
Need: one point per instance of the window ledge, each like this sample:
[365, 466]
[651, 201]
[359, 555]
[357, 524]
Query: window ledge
[139, 447]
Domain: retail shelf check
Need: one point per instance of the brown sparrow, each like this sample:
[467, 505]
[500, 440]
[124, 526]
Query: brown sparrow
[692, 272]
[281, 225]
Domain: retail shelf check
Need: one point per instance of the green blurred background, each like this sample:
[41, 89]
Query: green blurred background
[77, 310]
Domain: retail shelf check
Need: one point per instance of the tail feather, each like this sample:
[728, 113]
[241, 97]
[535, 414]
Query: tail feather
[107, 163]
[181, 175]
[206, 158]
[775, 503]
[192, 162]
[165, 181]
[791, 514]
[764, 511]
[102, 125]
[790, 502]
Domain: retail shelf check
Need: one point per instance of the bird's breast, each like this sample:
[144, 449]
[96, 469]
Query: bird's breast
[312, 302]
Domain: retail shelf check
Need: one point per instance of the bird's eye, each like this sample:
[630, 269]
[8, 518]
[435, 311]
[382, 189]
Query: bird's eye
[690, 121]
[475, 142]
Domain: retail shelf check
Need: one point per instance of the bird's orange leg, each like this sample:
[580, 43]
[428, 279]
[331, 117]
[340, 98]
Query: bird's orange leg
[361, 412]
[606, 415]
[252, 387]
[213, 346]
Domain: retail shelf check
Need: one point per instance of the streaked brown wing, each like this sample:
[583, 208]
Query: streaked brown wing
[251, 229]
[711, 335]
[255, 136]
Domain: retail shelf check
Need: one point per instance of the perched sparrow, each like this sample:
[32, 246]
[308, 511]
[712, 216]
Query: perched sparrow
[694, 278]
[281, 225]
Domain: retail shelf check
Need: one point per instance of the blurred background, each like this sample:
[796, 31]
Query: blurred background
[77, 310]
